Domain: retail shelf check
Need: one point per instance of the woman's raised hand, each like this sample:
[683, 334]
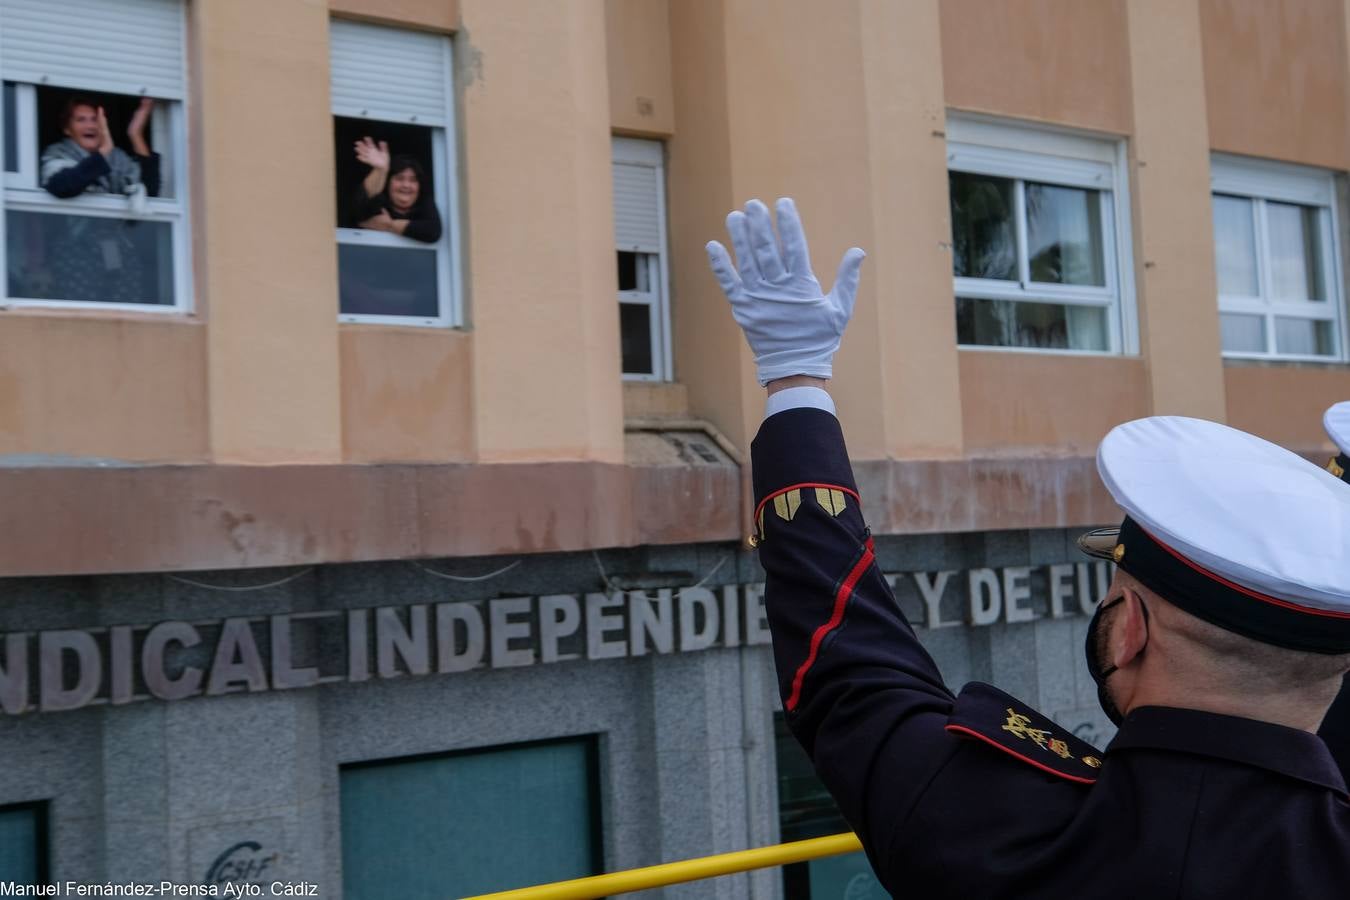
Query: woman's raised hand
[372, 154]
[136, 127]
[105, 140]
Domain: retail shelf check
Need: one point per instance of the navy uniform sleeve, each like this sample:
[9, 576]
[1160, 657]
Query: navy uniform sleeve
[861, 694]
[914, 770]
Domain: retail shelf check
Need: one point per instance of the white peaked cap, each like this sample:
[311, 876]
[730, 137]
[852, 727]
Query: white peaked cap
[1245, 531]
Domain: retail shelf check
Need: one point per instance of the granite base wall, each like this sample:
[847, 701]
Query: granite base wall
[156, 790]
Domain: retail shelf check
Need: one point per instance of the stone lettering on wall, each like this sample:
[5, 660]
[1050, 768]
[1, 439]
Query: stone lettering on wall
[67, 669]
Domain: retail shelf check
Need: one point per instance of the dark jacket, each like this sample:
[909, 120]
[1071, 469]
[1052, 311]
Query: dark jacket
[978, 795]
[1335, 730]
[424, 222]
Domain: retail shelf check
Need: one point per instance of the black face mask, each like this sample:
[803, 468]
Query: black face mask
[1096, 669]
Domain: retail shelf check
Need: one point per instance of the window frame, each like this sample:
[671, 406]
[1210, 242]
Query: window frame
[22, 193]
[1058, 157]
[1264, 181]
[445, 175]
[650, 153]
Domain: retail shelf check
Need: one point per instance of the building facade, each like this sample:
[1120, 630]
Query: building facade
[349, 537]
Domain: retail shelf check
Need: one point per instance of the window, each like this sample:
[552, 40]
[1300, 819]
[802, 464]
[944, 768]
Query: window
[23, 844]
[640, 239]
[470, 823]
[1275, 239]
[393, 135]
[85, 226]
[1040, 231]
[806, 810]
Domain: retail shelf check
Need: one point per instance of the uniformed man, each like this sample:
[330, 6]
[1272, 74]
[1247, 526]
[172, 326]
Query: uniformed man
[1335, 730]
[1218, 647]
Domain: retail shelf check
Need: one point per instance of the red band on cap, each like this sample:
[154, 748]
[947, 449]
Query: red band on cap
[1255, 595]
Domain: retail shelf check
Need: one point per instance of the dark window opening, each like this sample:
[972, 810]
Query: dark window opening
[628, 270]
[51, 104]
[635, 336]
[402, 140]
[11, 128]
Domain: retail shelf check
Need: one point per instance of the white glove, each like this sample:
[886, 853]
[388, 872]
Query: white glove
[792, 328]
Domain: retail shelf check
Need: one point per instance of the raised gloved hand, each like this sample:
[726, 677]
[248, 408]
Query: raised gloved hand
[793, 327]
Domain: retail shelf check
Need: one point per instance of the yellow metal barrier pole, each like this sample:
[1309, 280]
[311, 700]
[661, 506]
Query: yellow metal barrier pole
[684, 870]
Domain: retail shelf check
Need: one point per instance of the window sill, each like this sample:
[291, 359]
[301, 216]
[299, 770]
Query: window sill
[416, 322]
[164, 315]
[358, 326]
[1266, 362]
[1047, 351]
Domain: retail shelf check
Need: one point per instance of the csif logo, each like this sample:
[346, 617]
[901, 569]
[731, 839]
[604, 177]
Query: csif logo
[243, 863]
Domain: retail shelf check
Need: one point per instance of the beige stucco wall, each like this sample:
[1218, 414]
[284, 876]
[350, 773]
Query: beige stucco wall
[407, 394]
[1062, 61]
[129, 388]
[839, 103]
[919, 379]
[1285, 403]
[433, 15]
[1275, 79]
[799, 128]
[1015, 404]
[637, 38]
[266, 259]
[541, 235]
[711, 358]
[1173, 226]
[808, 100]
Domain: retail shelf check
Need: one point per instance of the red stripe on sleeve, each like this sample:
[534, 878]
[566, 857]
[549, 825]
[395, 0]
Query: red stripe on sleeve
[836, 616]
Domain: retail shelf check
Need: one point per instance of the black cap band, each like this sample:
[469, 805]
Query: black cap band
[1340, 467]
[1230, 606]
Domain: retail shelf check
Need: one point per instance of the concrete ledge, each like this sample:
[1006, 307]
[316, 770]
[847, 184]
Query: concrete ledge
[924, 496]
[83, 520]
[72, 520]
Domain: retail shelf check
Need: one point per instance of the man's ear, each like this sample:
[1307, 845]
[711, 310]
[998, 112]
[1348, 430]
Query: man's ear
[1130, 634]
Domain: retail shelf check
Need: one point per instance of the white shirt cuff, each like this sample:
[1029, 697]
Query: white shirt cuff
[797, 398]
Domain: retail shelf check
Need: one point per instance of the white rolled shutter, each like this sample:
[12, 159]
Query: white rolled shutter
[638, 200]
[119, 46]
[389, 73]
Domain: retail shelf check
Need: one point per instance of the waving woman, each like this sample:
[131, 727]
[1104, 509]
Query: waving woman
[393, 197]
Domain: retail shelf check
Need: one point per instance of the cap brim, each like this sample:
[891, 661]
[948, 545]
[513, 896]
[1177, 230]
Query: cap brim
[1100, 542]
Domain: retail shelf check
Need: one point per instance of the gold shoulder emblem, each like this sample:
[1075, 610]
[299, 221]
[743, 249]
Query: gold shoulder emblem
[1020, 726]
[985, 713]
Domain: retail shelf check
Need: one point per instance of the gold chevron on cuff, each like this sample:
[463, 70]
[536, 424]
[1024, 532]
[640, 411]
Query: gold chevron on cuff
[830, 500]
[786, 504]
